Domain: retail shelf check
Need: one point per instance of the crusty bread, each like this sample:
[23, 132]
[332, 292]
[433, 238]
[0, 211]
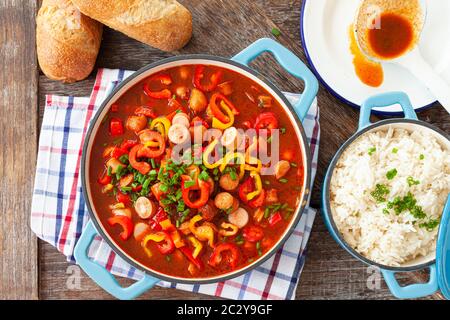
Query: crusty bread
[67, 41]
[163, 24]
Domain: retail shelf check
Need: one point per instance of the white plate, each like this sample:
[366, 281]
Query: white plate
[324, 29]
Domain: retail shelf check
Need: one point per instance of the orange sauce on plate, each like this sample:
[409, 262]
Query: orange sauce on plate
[393, 38]
[369, 72]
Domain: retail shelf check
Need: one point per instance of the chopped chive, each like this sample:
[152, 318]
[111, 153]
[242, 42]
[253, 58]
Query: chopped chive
[164, 187]
[189, 183]
[293, 164]
[126, 189]
[152, 162]
[233, 175]
[266, 213]
[276, 32]
[109, 171]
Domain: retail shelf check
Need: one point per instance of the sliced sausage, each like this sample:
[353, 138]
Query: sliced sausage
[197, 101]
[239, 218]
[136, 123]
[178, 134]
[114, 164]
[227, 183]
[181, 118]
[144, 207]
[224, 201]
[208, 211]
[141, 229]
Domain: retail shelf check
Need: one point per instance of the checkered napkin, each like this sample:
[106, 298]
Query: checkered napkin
[59, 212]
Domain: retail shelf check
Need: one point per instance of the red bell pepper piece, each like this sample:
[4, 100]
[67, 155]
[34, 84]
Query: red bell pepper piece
[126, 224]
[128, 144]
[275, 218]
[159, 216]
[114, 107]
[163, 94]
[195, 261]
[266, 120]
[247, 124]
[218, 253]
[199, 75]
[104, 179]
[166, 246]
[142, 167]
[124, 198]
[116, 127]
[216, 110]
[253, 233]
[164, 78]
[258, 201]
[146, 111]
[117, 152]
[201, 185]
[245, 188]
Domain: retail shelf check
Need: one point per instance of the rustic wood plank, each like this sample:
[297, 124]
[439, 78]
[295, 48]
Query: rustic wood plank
[223, 28]
[18, 131]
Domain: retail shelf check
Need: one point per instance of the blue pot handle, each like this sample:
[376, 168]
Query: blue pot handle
[385, 100]
[102, 276]
[412, 291]
[291, 63]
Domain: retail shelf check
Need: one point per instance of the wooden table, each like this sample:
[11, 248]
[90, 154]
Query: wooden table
[32, 269]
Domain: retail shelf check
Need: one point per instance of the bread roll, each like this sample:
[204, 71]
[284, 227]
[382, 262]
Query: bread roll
[163, 24]
[67, 41]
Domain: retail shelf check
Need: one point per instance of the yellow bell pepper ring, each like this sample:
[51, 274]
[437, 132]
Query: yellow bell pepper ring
[202, 233]
[228, 229]
[258, 185]
[198, 246]
[234, 155]
[151, 237]
[207, 152]
[161, 124]
[217, 124]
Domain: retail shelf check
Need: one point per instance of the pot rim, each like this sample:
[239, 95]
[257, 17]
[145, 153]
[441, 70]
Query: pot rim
[326, 208]
[302, 139]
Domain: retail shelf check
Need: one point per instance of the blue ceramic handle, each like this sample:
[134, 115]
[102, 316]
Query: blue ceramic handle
[385, 100]
[102, 276]
[412, 291]
[443, 251]
[291, 63]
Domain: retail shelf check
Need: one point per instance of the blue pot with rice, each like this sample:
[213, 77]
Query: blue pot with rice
[385, 196]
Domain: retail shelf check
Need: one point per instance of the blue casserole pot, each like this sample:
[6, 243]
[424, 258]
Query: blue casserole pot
[409, 122]
[238, 63]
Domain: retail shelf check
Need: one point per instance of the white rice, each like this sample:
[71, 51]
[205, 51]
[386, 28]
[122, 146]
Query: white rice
[388, 238]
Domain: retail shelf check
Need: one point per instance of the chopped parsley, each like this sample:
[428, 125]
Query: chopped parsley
[412, 182]
[394, 150]
[391, 174]
[380, 193]
[371, 151]
[421, 157]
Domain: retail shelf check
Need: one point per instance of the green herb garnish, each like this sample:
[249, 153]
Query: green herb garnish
[394, 150]
[421, 157]
[380, 193]
[189, 183]
[276, 32]
[431, 224]
[412, 182]
[372, 151]
[391, 174]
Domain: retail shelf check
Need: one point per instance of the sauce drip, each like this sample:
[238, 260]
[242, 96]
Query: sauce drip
[393, 38]
[368, 71]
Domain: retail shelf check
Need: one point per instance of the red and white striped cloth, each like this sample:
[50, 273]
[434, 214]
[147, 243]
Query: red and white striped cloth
[59, 213]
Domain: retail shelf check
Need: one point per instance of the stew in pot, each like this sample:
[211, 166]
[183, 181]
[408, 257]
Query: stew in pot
[196, 171]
